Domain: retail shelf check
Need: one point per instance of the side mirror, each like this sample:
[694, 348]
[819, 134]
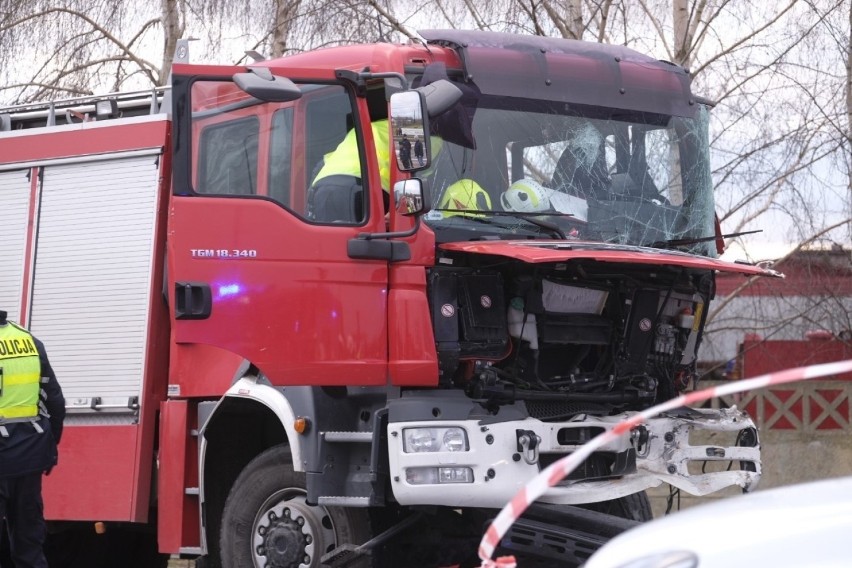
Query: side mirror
[409, 197]
[260, 83]
[440, 96]
[409, 128]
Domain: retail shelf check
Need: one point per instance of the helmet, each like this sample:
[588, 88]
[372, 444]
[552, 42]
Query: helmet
[526, 195]
[464, 194]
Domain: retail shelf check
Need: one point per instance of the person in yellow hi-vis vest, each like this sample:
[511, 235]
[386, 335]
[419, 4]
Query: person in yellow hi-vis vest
[32, 410]
[337, 194]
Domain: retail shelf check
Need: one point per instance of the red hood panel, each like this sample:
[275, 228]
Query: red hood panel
[549, 251]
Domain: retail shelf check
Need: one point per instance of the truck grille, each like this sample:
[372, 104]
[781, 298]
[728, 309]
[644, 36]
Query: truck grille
[554, 410]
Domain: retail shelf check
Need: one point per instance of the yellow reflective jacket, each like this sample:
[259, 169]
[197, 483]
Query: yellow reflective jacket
[345, 160]
[20, 373]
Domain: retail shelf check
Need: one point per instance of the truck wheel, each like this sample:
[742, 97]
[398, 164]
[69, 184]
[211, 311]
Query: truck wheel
[267, 521]
[636, 507]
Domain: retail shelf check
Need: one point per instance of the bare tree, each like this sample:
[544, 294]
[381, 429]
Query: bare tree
[779, 73]
[781, 129]
[86, 46]
[77, 48]
[173, 18]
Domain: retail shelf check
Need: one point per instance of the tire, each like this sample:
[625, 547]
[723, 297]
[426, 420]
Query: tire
[635, 507]
[268, 523]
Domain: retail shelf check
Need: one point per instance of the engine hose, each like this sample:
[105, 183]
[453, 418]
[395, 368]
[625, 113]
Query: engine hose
[605, 398]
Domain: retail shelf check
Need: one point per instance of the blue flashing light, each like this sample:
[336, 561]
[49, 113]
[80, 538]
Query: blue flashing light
[227, 290]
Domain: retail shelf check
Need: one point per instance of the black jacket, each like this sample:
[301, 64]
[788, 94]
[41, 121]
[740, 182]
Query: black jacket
[26, 450]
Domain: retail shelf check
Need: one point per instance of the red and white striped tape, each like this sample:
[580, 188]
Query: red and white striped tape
[558, 470]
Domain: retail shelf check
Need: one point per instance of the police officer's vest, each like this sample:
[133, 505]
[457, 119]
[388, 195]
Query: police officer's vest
[20, 373]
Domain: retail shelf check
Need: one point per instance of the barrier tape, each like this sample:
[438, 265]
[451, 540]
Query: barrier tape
[559, 469]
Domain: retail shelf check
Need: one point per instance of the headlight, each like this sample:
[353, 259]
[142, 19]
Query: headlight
[424, 440]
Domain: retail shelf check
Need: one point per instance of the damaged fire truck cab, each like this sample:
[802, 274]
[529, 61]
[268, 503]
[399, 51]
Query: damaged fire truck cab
[482, 306]
[337, 308]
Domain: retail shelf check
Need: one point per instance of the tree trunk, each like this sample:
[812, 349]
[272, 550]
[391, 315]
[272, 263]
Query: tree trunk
[575, 19]
[285, 14]
[684, 32]
[849, 113]
[173, 27]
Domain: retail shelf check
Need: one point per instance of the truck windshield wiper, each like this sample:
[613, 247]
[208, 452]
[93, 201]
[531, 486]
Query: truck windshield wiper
[696, 240]
[528, 217]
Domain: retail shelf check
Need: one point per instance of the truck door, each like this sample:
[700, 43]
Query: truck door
[253, 273]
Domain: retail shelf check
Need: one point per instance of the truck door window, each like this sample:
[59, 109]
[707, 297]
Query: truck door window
[280, 156]
[228, 157]
[279, 151]
[334, 159]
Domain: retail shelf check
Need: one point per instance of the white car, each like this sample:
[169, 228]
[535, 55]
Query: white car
[803, 525]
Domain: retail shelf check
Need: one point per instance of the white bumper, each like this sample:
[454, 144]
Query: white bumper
[499, 469]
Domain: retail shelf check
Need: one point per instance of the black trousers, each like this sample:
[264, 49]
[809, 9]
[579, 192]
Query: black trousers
[336, 199]
[22, 506]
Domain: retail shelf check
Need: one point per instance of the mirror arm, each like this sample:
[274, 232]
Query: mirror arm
[388, 75]
[262, 72]
[396, 235]
[355, 78]
[359, 79]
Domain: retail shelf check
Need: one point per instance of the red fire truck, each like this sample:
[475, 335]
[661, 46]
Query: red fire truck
[261, 382]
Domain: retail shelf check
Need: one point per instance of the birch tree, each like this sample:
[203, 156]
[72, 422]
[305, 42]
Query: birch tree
[779, 73]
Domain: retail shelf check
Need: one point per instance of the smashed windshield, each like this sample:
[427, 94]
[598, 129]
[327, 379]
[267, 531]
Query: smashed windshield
[603, 175]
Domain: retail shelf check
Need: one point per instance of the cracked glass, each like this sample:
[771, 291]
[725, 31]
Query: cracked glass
[616, 176]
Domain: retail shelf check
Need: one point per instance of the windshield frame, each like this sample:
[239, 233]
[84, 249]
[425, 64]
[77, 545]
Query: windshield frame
[669, 151]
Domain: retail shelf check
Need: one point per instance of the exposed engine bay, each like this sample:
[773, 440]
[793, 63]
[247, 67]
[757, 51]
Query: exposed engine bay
[567, 338]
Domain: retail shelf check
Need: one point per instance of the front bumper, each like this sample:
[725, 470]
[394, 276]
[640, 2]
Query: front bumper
[665, 450]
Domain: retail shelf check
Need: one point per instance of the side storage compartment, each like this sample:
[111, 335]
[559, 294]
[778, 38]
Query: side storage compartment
[83, 232]
[95, 305]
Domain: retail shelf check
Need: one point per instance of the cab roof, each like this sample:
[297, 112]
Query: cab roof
[569, 71]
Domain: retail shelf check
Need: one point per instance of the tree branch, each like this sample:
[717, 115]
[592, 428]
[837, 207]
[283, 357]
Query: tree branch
[745, 38]
[396, 24]
[146, 66]
[751, 280]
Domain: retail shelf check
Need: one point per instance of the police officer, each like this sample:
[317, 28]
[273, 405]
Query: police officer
[32, 410]
[405, 152]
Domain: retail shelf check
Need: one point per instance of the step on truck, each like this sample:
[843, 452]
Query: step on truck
[256, 381]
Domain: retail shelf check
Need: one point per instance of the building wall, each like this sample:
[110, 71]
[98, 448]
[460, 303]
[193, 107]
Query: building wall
[815, 294]
[772, 318]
